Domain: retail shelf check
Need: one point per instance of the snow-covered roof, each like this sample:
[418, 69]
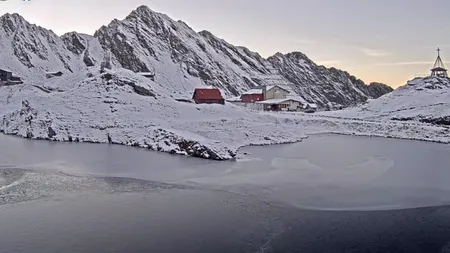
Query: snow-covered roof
[207, 93]
[234, 99]
[297, 98]
[269, 87]
[253, 91]
[146, 73]
[278, 101]
[313, 106]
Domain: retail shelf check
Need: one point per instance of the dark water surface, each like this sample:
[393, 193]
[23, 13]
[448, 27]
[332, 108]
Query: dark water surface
[326, 194]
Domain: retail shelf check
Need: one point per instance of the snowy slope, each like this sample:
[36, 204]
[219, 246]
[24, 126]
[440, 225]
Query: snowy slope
[93, 104]
[122, 108]
[146, 41]
[323, 85]
[422, 99]
[181, 58]
[118, 107]
[30, 51]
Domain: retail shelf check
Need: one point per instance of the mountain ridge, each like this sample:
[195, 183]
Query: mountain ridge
[181, 58]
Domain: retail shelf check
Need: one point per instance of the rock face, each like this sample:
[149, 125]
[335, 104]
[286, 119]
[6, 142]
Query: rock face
[324, 85]
[84, 46]
[376, 90]
[180, 58]
[25, 46]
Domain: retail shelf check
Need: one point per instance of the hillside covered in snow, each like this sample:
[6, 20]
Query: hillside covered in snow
[180, 58]
[102, 97]
[425, 100]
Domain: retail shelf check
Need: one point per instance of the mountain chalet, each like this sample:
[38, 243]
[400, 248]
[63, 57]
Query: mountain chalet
[7, 78]
[273, 98]
[208, 96]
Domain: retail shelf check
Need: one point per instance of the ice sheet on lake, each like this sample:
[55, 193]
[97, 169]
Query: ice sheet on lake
[19, 185]
[282, 171]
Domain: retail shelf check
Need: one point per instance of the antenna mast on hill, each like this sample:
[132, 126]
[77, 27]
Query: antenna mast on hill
[439, 68]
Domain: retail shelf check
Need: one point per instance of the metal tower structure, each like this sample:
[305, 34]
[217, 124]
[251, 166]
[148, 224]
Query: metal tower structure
[439, 68]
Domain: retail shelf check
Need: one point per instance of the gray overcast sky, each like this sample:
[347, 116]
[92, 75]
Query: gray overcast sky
[377, 40]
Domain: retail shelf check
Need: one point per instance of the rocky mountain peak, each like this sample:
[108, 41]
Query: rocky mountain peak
[180, 58]
[145, 11]
[12, 23]
[14, 19]
[74, 42]
[31, 46]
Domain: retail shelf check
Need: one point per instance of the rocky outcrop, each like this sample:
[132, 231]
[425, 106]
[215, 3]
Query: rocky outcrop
[152, 41]
[138, 88]
[328, 87]
[376, 90]
[26, 122]
[180, 58]
[31, 46]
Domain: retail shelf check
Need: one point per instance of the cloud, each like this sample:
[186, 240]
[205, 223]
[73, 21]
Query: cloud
[408, 63]
[299, 41]
[374, 52]
[329, 63]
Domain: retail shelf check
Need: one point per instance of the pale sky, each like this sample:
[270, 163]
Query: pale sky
[388, 41]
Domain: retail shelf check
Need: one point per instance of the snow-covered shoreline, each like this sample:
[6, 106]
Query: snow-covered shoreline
[107, 108]
[305, 125]
[120, 107]
[100, 97]
[206, 131]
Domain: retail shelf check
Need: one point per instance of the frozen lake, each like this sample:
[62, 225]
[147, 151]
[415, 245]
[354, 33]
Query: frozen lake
[323, 172]
[329, 193]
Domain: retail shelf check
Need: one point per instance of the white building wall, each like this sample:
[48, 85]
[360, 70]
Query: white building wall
[252, 106]
[275, 93]
[294, 106]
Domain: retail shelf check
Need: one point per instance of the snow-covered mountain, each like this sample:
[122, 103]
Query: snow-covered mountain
[101, 98]
[180, 58]
[324, 85]
[30, 50]
[425, 100]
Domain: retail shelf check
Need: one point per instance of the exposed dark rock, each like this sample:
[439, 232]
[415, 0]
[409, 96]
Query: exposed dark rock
[376, 90]
[140, 42]
[142, 90]
[445, 121]
[51, 132]
[324, 86]
[440, 121]
[74, 43]
[88, 60]
[196, 149]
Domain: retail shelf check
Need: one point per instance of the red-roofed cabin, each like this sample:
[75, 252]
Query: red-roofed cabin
[253, 96]
[208, 96]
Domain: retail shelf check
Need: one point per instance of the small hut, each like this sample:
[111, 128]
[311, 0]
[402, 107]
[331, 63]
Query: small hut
[208, 96]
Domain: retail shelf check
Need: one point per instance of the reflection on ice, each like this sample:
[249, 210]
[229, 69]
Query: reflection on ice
[19, 185]
[310, 173]
[322, 172]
